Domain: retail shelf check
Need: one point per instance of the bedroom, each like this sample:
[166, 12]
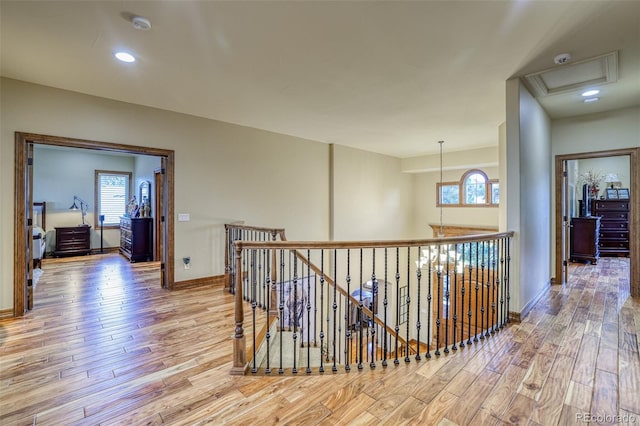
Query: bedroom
[67, 177]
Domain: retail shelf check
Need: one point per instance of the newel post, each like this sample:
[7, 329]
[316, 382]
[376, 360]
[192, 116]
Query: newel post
[239, 344]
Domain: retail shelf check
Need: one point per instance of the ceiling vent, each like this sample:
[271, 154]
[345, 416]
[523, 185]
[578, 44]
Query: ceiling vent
[572, 77]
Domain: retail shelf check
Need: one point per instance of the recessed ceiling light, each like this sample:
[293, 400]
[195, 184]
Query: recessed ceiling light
[125, 57]
[590, 92]
[589, 100]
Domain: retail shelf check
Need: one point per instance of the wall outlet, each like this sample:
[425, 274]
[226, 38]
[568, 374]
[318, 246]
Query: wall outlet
[184, 217]
[187, 262]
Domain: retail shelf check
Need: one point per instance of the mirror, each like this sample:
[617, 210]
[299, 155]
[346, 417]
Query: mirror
[145, 199]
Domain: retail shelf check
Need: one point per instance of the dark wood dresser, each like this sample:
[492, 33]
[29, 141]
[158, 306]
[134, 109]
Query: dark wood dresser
[585, 232]
[614, 226]
[73, 241]
[136, 238]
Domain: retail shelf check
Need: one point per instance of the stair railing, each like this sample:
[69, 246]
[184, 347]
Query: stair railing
[312, 315]
[237, 232]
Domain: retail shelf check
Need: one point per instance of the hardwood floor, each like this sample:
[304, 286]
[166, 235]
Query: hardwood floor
[106, 345]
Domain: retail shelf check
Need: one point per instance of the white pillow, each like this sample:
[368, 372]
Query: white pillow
[38, 231]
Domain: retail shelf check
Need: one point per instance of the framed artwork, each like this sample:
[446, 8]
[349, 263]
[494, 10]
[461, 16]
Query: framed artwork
[623, 193]
[612, 193]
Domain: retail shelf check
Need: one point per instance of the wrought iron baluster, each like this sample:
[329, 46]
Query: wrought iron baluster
[268, 305]
[429, 300]
[438, 298]
[308, 307]
[471, 268]
[347, 311]
[374, 311]
[335, 308]
[254, 305]
[385, 303]
[418, 325]
[360, 319]
[462, 291]
[408, 340]
[295, 302]
[397, 326]
[281, 308]
[322, 347]
[445, 303]
[454, 347]
[508, 276]
[494, 287]
[478, 281]
[502, 281]
[482, 290]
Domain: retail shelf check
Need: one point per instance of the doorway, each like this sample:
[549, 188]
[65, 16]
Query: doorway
[23, 212]
[563, 216]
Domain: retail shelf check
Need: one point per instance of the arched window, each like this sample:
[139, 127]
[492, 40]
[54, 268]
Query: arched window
[473, 189]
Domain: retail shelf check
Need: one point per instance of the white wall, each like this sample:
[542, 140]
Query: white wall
[372, 198]
[596, 132]
[528, 195]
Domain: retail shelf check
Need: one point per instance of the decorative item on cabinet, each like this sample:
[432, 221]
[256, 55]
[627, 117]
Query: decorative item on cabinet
[136, 238]
[614, 226]
[73, 240]
[584, 239]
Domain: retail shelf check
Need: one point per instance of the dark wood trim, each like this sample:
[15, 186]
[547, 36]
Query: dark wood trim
[6, 313]
[22, 193]
[634, 222]
[169, 237]
[515, 316]
[214, 281]
[20, 235]
[157, 223]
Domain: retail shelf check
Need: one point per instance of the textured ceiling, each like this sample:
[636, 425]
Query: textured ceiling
[391, 77]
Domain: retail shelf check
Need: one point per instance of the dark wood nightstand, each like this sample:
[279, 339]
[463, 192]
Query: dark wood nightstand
[73, 241]
[584, 239]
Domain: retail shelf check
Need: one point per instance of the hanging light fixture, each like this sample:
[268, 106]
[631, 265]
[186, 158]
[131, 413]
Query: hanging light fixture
[441, 231]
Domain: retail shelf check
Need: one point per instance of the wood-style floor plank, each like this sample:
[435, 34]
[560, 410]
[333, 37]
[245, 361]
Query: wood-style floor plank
[105, 344]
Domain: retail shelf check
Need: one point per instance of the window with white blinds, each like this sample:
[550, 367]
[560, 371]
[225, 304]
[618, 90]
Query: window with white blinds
[112, 189]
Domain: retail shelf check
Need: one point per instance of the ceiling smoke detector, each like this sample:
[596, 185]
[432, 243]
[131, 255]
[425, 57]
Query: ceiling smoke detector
[140, 23]
[562, 58]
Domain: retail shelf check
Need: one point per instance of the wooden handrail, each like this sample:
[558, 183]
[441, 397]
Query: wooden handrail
[278, 231]
[300, 245]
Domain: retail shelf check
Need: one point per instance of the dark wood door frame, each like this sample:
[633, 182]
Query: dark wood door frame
[158, 207]
[23, 209]
[634, 222]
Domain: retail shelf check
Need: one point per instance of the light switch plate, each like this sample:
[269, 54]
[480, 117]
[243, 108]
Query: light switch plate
[184, 217]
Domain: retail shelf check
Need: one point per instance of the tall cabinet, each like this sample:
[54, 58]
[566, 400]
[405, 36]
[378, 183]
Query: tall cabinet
[136, 238]
[614, 226]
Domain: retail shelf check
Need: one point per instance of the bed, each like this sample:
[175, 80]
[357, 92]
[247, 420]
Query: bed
[39, 233]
